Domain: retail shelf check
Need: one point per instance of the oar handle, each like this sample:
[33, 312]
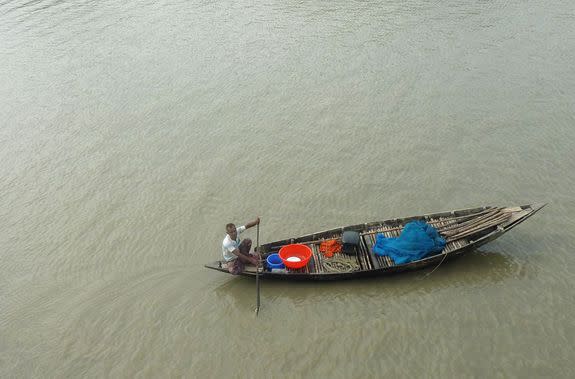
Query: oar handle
[258, 270]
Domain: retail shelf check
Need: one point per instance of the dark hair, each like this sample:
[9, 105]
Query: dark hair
[230, 225]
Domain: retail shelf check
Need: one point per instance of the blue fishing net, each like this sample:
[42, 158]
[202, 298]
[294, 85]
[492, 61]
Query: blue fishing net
[417, 240]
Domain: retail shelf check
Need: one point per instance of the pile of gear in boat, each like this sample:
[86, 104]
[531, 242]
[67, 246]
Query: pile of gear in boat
[416, 241]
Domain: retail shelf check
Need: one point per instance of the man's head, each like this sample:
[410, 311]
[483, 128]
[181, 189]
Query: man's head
[231, 230]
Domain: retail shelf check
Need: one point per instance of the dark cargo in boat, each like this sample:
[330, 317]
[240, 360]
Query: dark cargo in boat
[349, 241]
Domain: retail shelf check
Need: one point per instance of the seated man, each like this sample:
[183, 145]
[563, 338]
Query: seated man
[237, 252]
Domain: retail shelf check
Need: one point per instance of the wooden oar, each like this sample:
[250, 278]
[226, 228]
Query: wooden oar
[258, 271]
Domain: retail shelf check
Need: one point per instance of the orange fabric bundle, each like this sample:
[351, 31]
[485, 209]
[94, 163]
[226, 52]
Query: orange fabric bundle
[329, 248]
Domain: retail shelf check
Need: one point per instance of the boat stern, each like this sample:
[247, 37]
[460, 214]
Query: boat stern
[217, 265]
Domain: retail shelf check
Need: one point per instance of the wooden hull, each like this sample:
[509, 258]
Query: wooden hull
[465, 230]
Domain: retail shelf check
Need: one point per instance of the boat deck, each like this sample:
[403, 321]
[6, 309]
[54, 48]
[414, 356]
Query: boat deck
[366, 259]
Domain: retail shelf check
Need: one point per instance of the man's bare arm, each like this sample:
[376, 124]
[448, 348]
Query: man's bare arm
[253, 223]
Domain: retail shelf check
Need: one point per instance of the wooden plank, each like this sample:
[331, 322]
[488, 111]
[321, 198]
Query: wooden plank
[367, 249]
[452, 229]
[443, 221]
[316, 253]
[480, 227]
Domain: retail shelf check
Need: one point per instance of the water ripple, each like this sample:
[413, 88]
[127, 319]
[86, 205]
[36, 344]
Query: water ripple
[133, 131]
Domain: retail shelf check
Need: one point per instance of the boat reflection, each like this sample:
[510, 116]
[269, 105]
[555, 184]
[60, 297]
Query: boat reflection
[478, 268]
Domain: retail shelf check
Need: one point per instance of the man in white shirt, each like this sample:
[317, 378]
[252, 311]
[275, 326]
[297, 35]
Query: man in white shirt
[236, 252]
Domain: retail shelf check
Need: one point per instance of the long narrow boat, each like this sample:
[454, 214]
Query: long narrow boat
[463, 230]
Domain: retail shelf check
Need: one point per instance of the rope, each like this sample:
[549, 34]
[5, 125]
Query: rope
[444, 255]
[339, 265]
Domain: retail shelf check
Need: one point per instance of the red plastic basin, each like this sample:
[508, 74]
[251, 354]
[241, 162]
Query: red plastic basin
[295, 256]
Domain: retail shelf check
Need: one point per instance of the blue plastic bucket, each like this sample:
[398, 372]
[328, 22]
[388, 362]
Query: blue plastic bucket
[274, 261]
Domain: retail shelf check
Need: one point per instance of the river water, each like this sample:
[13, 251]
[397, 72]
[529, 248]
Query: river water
[131, 132]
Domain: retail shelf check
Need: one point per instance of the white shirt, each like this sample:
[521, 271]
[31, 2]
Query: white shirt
[229, 245]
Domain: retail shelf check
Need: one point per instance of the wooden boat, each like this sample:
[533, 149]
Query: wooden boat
[463, 230]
